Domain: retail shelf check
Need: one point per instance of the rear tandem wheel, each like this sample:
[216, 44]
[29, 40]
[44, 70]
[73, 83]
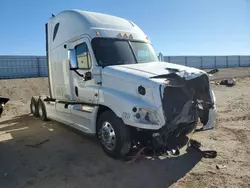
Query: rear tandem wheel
[34, 106]
[42, 110]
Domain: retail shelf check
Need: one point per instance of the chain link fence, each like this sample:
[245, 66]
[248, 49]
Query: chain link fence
[23, 67]
[209, 62]
[36, 66]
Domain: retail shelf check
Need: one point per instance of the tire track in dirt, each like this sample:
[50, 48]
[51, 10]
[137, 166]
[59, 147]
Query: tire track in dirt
[233, 118]
[240, 134]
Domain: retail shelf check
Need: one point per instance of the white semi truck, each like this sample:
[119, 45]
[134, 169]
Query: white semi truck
[105, 79]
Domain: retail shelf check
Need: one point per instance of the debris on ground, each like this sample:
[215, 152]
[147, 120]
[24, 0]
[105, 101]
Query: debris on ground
[164, 156]
[150, 158]
[38, 144]
[144, 153]
[228, 82]
[210, 73]
[138, 155]
[170, 153]
[220, 166]
[5, 174]
[205, 154]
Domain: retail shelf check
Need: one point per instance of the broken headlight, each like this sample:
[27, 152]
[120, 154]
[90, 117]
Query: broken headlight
[145, 115]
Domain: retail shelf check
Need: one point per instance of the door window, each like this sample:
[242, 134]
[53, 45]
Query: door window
[83, 56]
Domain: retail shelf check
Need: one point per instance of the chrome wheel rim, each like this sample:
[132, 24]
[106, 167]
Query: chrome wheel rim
[107, 136]
[33, 108]
[40, 110]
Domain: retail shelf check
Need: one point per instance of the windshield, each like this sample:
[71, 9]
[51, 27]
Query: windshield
[118, 52]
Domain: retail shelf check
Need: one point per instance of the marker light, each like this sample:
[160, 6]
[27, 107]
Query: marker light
[97, 33]
[131, 36]
[86, 108]
[120, 34]
[126, 35]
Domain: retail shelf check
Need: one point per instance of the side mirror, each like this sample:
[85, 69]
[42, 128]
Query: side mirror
[72, 59]
[73, 65]
[87, 76]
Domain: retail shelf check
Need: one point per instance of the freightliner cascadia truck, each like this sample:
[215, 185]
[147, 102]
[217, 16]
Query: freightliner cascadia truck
[105, 79]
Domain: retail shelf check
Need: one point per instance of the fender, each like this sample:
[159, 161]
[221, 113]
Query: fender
[124, 109]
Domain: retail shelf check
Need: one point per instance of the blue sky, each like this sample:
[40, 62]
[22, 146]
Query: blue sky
[175, 27]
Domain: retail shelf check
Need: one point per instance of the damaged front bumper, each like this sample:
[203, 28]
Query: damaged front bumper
[184, 103]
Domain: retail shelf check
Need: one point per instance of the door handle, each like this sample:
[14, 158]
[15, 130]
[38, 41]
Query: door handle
[76, 91]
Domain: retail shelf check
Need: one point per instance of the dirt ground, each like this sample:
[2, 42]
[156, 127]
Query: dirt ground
[67, 158]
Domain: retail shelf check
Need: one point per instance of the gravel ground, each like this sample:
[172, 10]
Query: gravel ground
[70, 159]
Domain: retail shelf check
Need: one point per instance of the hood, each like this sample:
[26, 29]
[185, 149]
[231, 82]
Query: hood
[152, 70]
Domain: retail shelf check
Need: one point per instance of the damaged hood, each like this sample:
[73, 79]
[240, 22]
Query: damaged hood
[152, 70]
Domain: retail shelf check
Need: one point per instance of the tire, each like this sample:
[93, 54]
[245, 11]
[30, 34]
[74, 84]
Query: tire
[122, 141]
[34, 106]
[42, 110]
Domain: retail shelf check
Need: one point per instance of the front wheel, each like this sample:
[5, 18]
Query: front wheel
[113, 134]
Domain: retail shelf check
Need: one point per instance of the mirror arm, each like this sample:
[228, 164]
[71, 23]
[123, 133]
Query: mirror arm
[78, 73]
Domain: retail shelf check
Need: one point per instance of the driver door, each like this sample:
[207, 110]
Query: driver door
[83, 85]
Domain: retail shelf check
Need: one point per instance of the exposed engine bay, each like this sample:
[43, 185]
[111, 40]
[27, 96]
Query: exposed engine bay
[184, 102]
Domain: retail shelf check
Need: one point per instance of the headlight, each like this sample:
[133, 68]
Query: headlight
[144, 115]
